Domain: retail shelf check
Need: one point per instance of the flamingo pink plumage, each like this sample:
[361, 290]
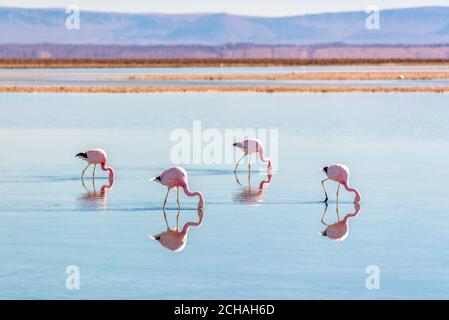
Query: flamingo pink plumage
[339, 231]
[95, 156]
[176, 177]
[250, 146]
[339, 173]
[97, 199]
[175, 240]
[253, 196]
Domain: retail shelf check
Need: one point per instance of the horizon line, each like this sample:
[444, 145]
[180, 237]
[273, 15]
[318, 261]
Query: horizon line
[221, 12]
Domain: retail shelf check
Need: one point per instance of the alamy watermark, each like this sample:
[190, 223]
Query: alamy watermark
[72, 282]
[72, 22]
[373, 279]
[213, 146]
[372, 22]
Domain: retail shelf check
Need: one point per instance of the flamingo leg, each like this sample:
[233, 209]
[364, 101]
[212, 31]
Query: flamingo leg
[338, 215]
[249, 163]
[235, 169]
[338, 190]
[177, 199]
[82, 173]
[236, 178]
[322, 218]
[165, 200]
[84, 185]
[165, 218]
[325, 193]
[93, 173]
[177, 219]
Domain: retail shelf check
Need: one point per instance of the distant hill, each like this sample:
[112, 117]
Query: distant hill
[413, 26]
[234, 51]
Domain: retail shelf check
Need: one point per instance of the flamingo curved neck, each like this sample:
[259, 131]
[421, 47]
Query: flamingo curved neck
[352, 215]
[190, 193]
[263, 159]
[108, 186]
[358, 196]
[111, 171]
[190, 224]
[264, 184]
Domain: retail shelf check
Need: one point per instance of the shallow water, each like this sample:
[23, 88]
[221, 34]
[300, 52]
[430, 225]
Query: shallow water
[238, 70]
[252, 243]
[92, 77]
[80, 81]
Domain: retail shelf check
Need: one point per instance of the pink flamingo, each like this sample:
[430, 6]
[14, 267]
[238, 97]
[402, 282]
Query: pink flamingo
[339, 231]
[95, 156]
[97, 199]
[175, 240]
[340, 174]
[176, 177]
[253, 196]
[250, 146]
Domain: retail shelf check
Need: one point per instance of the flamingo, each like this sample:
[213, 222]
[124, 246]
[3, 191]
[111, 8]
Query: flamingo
[175, 240]
[97, 199]
[176, 177]
[339, 231]
[95, 156]
[339, 173]
[250, 146]
[250, 195]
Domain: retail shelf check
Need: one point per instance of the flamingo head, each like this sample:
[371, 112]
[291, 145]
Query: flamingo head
[156, 237]
[156, 179]
[81, 155]
[238, 145]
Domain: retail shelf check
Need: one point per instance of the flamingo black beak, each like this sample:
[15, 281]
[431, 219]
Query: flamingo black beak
[81, 155]
[156, 179]
[234, 144]
[324, 169]
[156, 237]
[324, 233]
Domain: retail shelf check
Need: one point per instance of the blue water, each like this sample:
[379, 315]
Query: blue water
[251, 244]
[238, 70]
[85, 81]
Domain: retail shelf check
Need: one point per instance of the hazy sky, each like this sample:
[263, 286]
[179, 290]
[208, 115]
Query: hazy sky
[245, 7]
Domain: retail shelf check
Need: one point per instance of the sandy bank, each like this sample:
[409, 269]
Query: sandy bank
[269, 89]
[170, 63]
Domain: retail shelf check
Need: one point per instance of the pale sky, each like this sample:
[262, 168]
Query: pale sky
[242, 7]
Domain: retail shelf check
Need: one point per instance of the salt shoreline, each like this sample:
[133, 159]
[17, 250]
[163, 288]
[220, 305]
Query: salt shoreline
[11, 63]
[218, 88]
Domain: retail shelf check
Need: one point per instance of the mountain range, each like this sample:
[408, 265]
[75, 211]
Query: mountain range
[411, 26]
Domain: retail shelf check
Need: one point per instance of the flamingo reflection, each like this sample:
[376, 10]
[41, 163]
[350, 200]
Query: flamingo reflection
[249, 195]
[96, 200]
[175, 240]
[339, 231]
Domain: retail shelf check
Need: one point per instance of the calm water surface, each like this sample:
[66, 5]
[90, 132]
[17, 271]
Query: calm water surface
[237, 70]
[252, 242]
[31, 81]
